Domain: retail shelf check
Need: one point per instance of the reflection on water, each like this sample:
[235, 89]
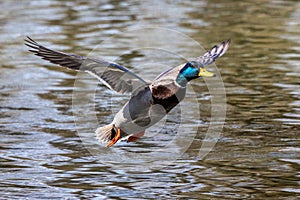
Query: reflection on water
[258, 154]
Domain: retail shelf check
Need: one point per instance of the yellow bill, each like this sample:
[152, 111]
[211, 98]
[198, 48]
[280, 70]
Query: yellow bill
[204, 73]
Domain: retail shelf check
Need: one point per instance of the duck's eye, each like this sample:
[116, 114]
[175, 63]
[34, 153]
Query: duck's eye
[192, 64]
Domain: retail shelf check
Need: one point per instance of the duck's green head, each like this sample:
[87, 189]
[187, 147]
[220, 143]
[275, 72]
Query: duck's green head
[190, 71]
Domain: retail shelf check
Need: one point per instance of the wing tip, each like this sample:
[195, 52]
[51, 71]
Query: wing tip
[224, 45]
[215, 52]
[228, 41]
[28, 41]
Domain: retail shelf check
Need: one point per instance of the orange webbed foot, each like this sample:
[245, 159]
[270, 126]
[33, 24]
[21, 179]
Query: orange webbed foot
[115, 139]
[135, 137]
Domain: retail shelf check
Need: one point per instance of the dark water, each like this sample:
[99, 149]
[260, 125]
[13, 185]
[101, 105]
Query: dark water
[257, 153]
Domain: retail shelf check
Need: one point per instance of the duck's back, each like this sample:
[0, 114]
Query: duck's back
[166, 91]
[150, 104]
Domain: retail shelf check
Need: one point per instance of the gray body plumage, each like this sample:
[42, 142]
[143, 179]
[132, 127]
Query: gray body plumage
[150, 104]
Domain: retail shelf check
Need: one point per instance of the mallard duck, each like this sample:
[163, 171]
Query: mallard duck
[150, 101]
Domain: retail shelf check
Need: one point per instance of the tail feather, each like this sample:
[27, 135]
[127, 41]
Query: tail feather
[105, 133]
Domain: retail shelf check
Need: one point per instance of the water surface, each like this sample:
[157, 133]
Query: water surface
[257, 155]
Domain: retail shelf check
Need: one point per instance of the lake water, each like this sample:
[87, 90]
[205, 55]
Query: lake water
[247, 118]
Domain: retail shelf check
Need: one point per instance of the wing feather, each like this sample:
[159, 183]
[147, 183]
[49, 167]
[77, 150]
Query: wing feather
[113, 75]
[216, 52]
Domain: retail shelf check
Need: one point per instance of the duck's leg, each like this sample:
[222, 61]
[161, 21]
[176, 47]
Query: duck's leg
[115, 139]
[134, 137]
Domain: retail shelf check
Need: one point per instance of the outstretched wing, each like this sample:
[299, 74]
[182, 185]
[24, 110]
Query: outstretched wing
[114, 76]
[216, 52]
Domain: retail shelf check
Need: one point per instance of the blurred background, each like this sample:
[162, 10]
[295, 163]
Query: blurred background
[257, 156]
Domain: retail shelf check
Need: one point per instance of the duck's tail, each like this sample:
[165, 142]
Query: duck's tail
[108, 134]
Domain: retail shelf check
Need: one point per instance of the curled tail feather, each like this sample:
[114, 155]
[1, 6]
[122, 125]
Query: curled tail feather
[105, 133]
